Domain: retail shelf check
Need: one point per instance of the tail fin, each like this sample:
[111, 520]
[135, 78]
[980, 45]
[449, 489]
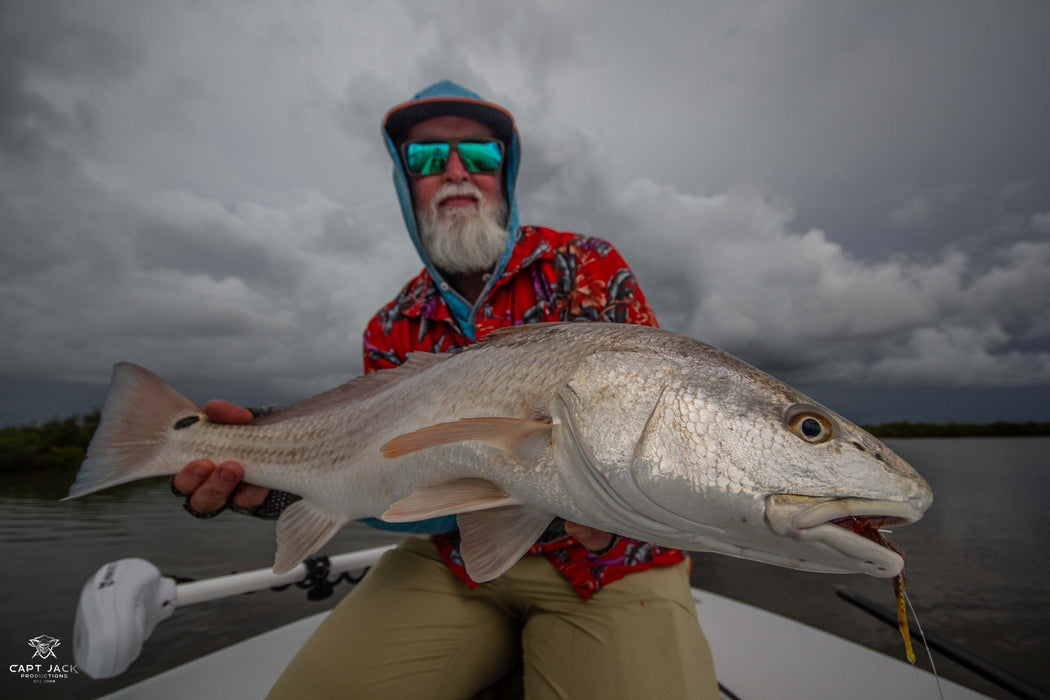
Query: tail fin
[139, 411]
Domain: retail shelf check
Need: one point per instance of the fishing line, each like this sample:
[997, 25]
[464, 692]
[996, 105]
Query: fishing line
[922, 636]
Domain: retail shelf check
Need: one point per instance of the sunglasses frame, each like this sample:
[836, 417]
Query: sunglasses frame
[453, 144]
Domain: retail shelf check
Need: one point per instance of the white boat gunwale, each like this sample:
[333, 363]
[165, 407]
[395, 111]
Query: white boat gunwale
[758, 654]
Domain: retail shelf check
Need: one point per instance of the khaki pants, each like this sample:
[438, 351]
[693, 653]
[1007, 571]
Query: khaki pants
[411, 630]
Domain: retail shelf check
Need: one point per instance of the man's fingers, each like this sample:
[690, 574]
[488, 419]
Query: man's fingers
[214, 491]
[190, 477]
[210, 486]
[225, 412]
[250, 495]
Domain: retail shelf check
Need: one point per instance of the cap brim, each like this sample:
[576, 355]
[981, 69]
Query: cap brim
[402, 117]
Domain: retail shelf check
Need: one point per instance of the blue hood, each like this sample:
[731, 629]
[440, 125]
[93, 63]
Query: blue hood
[442, 98]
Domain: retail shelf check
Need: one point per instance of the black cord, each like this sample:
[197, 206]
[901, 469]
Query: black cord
[317, 583]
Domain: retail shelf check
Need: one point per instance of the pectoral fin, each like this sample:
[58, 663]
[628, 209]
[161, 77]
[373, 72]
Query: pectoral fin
[521, 436]
[460, 496]
[301, 530]
[494, 540]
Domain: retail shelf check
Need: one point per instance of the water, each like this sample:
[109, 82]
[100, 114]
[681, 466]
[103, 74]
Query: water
[977, 568]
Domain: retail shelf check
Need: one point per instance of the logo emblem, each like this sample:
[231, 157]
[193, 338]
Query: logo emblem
[45, 646]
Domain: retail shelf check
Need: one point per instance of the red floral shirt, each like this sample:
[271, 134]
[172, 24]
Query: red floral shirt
[551, 276]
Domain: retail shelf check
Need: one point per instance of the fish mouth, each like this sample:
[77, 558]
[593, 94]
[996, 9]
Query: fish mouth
[849, 526]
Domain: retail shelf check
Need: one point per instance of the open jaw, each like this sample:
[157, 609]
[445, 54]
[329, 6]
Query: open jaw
[850, 526]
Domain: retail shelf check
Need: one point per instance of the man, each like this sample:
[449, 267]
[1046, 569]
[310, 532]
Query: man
[585, 613]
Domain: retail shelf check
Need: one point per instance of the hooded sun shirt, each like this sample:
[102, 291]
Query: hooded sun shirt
[542, 275]
[445, 98]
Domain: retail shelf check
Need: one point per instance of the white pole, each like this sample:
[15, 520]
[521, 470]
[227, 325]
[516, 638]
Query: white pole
[260, 579]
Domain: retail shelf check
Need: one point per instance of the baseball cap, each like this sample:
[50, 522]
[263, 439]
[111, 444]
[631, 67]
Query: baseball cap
[447, 98]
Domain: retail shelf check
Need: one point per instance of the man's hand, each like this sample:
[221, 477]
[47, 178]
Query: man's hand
[210, 486]
[594, 540]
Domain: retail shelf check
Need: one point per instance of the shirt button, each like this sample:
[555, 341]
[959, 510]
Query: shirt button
[444, 286]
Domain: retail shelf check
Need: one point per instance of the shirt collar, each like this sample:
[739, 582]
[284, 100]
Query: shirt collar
[421, 296]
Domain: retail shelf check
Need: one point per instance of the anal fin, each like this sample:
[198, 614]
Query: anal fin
[492, 541]
[301, 530]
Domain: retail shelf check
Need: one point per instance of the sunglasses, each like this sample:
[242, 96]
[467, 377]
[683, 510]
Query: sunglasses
[429, 157]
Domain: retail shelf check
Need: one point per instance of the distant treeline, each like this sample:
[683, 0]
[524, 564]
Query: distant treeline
[999, 429]
[60, 443]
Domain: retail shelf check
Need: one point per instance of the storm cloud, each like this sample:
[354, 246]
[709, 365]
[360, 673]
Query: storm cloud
[845, 195]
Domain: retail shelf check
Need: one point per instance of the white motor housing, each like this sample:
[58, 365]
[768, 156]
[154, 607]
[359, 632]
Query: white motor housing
[119, 607]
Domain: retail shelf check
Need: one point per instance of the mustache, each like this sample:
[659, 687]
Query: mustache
[456, 189]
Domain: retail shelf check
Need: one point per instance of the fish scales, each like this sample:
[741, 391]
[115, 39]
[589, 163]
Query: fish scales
[629, 429]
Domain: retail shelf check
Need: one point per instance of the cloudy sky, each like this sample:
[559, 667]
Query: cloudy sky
[854, 196]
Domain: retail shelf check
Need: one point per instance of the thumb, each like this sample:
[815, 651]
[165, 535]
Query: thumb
[226, 412]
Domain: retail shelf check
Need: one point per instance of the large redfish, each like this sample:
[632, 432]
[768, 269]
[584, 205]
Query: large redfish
[624, 428]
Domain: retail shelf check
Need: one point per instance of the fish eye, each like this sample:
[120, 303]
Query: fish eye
[810, 425]
[811, 428]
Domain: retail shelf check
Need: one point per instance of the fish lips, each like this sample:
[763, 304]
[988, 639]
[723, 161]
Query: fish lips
[812, 519]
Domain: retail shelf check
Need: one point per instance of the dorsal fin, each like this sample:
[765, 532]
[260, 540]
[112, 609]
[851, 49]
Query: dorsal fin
[356, 389]
[510, 331]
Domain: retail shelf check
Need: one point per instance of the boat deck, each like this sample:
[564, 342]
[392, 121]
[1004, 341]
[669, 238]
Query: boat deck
[757, 655]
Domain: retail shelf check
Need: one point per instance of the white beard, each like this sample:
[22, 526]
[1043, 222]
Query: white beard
[465, 239]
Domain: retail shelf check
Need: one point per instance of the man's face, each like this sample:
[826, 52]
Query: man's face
[426, 188]
[461, 215]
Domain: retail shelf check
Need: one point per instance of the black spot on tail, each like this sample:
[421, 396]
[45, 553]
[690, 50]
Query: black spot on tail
[186, 422]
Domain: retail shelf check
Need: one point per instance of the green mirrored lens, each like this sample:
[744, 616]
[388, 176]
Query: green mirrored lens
[426, 158]
[481, 156]
[431, 157]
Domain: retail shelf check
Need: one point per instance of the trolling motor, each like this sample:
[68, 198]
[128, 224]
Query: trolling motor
[121, 604]
[119, 607]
